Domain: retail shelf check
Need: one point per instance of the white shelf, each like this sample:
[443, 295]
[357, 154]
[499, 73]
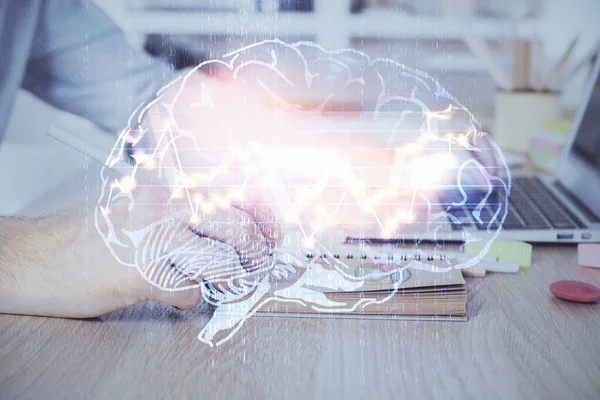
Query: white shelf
[330, 24]
[373, 23]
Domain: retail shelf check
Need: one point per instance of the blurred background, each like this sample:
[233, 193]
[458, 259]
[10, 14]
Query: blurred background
[519, 65]
[440, 37]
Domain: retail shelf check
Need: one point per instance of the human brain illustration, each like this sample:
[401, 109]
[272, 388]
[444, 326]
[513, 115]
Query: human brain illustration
[324, 145]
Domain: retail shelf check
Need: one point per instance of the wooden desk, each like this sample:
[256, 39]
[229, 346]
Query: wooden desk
[520, 342]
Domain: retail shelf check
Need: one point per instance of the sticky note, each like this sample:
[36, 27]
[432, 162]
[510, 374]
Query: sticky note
[589, 254]
[505, 250]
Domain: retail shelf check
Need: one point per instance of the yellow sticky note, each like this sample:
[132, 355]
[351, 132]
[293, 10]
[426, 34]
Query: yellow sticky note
[505, 250]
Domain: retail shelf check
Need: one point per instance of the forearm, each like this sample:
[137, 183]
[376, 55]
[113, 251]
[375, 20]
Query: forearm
[32, 252]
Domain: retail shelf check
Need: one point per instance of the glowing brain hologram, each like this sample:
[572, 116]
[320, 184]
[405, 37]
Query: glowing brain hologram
[328, 144]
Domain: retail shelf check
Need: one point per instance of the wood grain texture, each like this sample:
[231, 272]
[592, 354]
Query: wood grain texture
[519, 342]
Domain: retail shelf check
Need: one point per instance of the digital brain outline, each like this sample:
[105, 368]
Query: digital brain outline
[168, 257]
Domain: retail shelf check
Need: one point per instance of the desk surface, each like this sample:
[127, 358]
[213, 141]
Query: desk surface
[519, 342]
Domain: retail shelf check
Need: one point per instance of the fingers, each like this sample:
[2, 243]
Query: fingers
[238, 229]
[262, 214]
[266, 220]
[173, 258]
[189, 295]
[177, 276]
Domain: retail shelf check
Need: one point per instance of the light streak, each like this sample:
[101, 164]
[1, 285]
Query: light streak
[126, 184]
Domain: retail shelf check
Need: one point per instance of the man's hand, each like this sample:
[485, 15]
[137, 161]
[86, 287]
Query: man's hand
[60, 266]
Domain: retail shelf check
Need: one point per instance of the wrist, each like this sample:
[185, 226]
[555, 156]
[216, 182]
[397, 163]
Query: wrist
[30, 251]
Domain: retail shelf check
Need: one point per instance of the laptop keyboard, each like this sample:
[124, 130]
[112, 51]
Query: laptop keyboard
[531, 206]
[547, 205]
[520, 203]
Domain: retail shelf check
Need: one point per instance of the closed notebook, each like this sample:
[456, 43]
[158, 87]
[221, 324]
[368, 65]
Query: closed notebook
[355, 283]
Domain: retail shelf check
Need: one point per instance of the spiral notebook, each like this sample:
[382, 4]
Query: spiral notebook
[354, 282]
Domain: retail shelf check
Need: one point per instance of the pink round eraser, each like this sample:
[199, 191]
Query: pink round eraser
[580, 292]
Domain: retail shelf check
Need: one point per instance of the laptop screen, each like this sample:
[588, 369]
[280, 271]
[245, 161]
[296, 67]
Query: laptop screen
[579, 168]
[587, 141]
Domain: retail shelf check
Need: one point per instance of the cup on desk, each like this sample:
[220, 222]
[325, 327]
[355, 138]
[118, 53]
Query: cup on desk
[518, 113]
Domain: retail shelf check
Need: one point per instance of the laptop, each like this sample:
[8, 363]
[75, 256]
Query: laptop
[564, 208]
